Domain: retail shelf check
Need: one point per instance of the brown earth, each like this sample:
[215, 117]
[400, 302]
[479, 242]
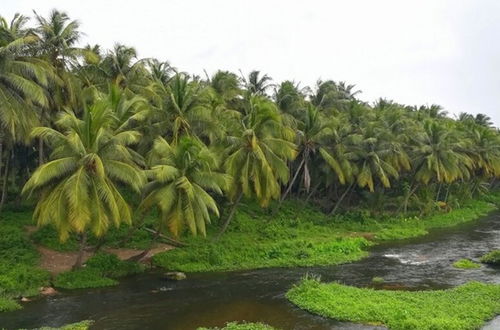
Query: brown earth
[57, 262]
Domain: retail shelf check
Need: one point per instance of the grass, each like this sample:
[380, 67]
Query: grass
[466, 264]
[492, 258]
[82, 325]
[101, 270]
[462, 308]
[302, 236]
[242, 326]
[7, 305]
[19, 274]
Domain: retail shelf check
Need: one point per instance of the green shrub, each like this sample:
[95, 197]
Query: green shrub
[48, 237]
[100, 270]
[462, 308]
[82, 325]
[492, 258]
[242, 326]
[82, 278]
[378, 280]
[15, 246]
[7, 305]
[109, 265]
[21, 280]
[466, 264]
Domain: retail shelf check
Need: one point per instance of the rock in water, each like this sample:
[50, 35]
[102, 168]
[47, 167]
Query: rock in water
[176, 276]
[47, 291]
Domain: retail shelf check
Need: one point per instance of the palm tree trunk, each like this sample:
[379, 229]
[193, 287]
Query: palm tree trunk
[439, 192]
[289, 188]
[4, 183]
[341, 199]
[1, 158]
[447, 193]
[313, 191]
[79, 259]
[407, 198]
[230, 216]
[40, 152]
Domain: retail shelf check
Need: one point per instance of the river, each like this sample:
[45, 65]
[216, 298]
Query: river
[211, 299]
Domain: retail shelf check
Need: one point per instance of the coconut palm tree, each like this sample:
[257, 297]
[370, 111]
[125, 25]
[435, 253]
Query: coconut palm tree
[311, 132]
[23, 79]
[181, 177]
[77, 190]
[440, 155]
[257, 156]
[257, 84]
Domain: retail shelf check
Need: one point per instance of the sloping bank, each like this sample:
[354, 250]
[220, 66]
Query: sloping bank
[301, 236]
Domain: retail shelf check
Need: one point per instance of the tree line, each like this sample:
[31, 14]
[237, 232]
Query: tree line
[83, 126]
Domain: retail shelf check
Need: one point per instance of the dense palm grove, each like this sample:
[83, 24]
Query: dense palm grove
[83, 127]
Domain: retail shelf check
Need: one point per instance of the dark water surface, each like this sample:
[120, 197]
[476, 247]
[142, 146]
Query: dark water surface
[211, 299]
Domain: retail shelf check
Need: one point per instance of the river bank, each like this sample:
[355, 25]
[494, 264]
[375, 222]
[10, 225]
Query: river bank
[214, 298]
[302, 236]
[296, 236]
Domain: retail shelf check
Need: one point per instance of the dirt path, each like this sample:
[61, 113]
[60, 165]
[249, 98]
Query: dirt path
[56, 262]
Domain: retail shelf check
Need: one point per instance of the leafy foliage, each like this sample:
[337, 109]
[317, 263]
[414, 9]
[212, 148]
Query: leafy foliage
[492, 258]
[466, 264]
[100, 270]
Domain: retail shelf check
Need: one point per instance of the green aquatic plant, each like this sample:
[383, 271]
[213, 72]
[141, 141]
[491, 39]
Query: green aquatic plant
[492, 258]
[242, 326]
[466, 264]
[462, 308]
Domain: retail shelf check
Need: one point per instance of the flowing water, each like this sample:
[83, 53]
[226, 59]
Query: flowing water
[211, 299]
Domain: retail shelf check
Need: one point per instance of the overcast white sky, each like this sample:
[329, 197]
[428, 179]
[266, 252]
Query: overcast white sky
[414, 52]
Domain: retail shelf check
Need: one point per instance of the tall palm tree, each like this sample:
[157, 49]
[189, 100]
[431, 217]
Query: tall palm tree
[440, 155]
[371, 157]
[311, 132]
[22, 87]
[181, 177]
[121, 66]
[180, 108]
[257, 156]
[77, 190]
[58, 37]
[257, 84]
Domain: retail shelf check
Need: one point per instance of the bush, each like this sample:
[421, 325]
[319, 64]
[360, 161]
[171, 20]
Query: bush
[82, 278]
[100, 270]
[82, 325]
[21, 280]
[15, 247]
[242, 326]
[492, 258]
[7, 305]
[466, 264]
[48, 237]
[109, 265]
